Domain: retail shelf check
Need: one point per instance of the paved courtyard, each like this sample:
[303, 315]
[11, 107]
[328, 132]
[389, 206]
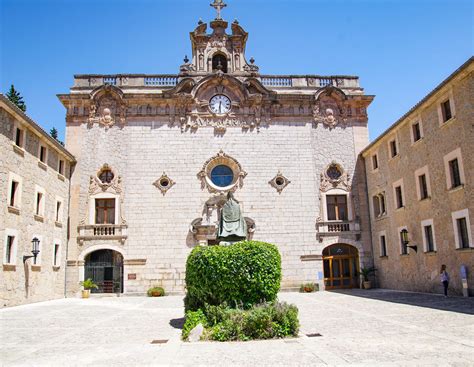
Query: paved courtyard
[374, 327]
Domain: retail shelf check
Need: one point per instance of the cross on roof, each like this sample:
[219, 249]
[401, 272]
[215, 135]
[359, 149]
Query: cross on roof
[218, 5]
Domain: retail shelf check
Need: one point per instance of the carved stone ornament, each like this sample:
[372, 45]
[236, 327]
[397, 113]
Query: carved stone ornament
[221, 159]
[329, 109]
[164, 183]
[279, 182]
[221, 123]
[97, 186]
[113, 185]
[335, 177]
[107, 107]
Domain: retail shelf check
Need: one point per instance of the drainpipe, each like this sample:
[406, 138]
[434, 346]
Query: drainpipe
[369, 218]
[67, 230]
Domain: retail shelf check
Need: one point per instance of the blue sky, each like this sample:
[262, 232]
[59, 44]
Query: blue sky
[400, 49]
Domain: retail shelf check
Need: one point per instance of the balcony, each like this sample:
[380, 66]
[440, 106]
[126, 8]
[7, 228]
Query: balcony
[93, 232]
[338, 228]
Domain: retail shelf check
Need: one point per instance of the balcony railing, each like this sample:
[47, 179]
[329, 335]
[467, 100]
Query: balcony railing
[337, 228]
[102, 231]
[167, 81]
[161, 81]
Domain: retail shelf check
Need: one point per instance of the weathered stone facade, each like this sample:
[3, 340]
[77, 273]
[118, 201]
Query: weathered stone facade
[443, 137]
[23, 216]
[160, 138]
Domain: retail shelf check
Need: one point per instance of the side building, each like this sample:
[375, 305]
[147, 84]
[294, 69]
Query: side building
[34, 191]
[420, 178]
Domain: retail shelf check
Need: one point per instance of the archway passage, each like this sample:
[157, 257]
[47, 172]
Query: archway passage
[341, 266]
[105, 268]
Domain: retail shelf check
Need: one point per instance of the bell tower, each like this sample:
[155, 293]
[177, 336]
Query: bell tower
[219, 51]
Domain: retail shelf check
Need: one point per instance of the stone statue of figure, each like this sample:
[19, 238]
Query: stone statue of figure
[232, 225]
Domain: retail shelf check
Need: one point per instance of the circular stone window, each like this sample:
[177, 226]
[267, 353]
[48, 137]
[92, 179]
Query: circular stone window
[222, 176]
[334, 172]
[164, 182]
[221, 173]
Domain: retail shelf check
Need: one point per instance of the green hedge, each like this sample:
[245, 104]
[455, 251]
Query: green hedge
[263, 321]
[242, 274]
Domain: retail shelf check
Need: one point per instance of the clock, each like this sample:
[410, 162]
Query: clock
[220, 104]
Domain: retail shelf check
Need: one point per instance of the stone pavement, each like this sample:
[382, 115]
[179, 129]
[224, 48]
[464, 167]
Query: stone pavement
[375, 327]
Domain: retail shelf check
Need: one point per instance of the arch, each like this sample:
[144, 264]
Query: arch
[102, 90]
[87, 251]
[219, 62]
[105, 268]
[205, 88]
[332, 91]
[340, 266]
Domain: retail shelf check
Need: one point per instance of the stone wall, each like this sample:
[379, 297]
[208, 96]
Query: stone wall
[21, 283]
[158, 225]
[420, 271]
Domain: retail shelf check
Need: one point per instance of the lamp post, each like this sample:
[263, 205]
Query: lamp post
[35, 251]
[405, 240]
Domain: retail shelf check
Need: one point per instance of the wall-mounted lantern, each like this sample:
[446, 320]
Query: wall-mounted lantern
[35, 251]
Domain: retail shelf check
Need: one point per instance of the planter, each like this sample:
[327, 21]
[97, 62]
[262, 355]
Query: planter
[156, 294]
[367, 284]
[86, 293]
[308, 290]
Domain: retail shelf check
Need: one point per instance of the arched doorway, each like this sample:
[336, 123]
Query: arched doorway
[341, 266]
[219, 62]
[105, 268]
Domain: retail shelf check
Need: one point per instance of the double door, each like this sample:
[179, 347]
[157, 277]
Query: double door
[340, 272]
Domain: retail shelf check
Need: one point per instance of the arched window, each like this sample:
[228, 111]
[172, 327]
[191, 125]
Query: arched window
[219, 62]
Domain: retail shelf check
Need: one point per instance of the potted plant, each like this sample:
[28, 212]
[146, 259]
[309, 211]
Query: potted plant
[87, 284]
[156, 292]
[308, 288]
[366, 272]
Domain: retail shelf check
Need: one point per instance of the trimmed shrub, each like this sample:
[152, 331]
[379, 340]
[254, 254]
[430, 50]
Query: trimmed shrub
[156, 292]
[193, 319]
[241, 275]
[263, 321]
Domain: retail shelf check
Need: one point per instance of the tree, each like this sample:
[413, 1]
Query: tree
[54, 133]
[14, 96]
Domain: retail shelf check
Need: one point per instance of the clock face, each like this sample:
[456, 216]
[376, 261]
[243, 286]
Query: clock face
[220, 104]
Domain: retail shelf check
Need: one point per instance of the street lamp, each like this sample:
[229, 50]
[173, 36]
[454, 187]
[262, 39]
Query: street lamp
[35, 251]
[405, 240]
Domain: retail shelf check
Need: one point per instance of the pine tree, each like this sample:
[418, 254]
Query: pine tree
[15, 97]
[54, 133]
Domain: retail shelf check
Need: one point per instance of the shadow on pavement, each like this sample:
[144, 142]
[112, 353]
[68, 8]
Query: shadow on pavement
[454, 304]
[177, 323]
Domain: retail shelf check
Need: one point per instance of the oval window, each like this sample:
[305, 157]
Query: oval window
[222, 176]
[106, 176]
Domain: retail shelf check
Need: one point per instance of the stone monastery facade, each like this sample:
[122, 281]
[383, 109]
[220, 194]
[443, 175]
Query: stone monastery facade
[150, 161]
[158, 153]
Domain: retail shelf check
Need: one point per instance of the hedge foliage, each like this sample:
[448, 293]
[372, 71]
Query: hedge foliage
[240, 275]
[263, 321]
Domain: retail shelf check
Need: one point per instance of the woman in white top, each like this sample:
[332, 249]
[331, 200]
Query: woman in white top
[444, 279]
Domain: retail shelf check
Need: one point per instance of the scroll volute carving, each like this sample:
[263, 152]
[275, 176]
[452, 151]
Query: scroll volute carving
[330, 108]
[107, 106]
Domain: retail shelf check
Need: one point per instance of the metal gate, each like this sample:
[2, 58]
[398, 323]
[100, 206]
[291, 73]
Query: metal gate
[105, 268]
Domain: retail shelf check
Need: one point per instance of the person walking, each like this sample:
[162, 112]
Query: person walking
[444, 279]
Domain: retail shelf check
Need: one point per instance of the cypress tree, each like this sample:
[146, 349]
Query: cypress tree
[14, 96]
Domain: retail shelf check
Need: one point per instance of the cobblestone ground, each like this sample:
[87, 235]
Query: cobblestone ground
[375, 327]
